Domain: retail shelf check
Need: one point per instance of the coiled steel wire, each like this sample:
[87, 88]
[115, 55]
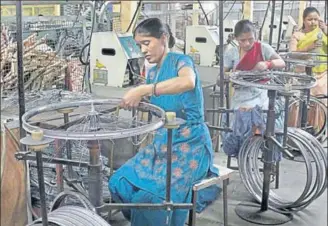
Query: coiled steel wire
[315, 160]
[315, 103]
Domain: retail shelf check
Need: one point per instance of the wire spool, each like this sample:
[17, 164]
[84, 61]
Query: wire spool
[73, 216]
[310, 149]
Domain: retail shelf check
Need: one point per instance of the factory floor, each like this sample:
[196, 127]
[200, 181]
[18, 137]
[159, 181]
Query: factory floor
[292, 181]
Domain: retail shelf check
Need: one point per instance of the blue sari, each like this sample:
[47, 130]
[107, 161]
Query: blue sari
[142, 179]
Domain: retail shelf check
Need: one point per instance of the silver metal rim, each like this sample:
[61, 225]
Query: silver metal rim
[305, 62]
[69, 135]
[300, 54]
[312, 81]
[291, 57]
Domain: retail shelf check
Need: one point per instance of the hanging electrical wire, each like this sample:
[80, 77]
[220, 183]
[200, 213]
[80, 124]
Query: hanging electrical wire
[201, 7]
[233, 4]
[136, 12]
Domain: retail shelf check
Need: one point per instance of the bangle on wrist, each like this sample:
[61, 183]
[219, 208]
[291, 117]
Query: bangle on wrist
[269, 64]
[152, 90]
[153, 93]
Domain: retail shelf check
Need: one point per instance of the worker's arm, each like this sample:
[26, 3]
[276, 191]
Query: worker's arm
[277, 62]
[185, 81]
[272, 60]
[293, 43]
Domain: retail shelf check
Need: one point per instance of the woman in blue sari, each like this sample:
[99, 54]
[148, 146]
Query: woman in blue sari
[174, 85]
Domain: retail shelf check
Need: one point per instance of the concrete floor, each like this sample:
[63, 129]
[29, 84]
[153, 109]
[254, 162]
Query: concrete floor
[292, 181]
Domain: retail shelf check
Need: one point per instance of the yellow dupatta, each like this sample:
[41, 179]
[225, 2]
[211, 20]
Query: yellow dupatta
[307, 40]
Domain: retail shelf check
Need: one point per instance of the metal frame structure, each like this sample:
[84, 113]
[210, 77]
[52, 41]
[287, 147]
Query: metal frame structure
[250, 211]
[94, 165]
[94, 148]
[305, 93]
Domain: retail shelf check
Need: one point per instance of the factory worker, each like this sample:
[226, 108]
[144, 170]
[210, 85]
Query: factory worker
[250, 55]
[173, 85]
[312, 38]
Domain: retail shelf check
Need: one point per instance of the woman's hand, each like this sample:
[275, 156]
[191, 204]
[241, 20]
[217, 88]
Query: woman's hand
[261, 66]
[133, 97]
[323, 26]
[314, 45]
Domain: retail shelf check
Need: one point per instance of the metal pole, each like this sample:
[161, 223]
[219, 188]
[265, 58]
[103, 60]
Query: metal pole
[280, 24]
[306, 99]
[95, 174]
[20, 67]
[169, 165]
[272, 21]
[326, 6]
[68, 149]
[41, 188]
[168, 172]
[221, 54]
[287, 97]
[268, 152]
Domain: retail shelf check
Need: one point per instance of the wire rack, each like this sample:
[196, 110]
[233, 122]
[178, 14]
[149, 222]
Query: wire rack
[52, 45]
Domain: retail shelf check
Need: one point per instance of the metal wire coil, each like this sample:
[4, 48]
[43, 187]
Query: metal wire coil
[312, 152]
[274, 80]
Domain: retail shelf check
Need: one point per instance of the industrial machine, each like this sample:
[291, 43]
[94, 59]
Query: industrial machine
[114, 59]
[290, 27]
[202, 43]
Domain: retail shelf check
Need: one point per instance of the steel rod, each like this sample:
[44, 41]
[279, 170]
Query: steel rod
[95, 175]
[20, 67]
[221, 51]
[272, 21]
[169, 165]
[68, 149]
[268, 152]
[152, 206]
[280, 24]
[227, 94]
[24, 156]
[284, 142]
[42, 189]
[326, 9]
[306, 99]
[223, 110]
[4, 3]
[59, 169]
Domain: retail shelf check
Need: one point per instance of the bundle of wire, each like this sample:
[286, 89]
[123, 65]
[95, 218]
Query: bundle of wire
[315, 159]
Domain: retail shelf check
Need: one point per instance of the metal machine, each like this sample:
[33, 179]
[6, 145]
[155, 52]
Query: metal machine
[114, 59]
[290, 27]
[202, 43]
